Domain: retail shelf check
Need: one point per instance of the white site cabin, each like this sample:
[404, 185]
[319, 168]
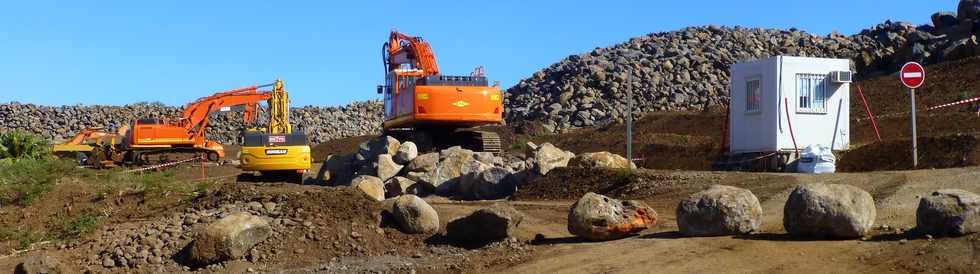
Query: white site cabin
[817, 92]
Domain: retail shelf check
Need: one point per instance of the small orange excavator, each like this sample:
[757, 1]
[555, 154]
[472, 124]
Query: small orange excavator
[144, 138]
[434, 110]
[152, 136]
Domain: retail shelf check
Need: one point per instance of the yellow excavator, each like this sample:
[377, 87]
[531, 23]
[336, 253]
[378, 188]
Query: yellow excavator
[276, 150]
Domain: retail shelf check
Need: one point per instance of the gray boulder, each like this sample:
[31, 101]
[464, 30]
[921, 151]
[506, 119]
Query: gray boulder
[596, 217]
[488, 184]
[549, 157]
[414, 215]
[371, 186]
[423, 163]
[40, 264]
[228, 238]
[339, 170]
[829, 210]
[952, 212]
[486, 225]
[406, 153]
[387, 167]
[371, 149]
[943, 20]
[719, 210]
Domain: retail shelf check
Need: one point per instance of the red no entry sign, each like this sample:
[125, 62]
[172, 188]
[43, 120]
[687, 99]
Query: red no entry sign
[913, 74]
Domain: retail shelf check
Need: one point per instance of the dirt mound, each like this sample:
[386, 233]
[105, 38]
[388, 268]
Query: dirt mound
[934, 152]
[342, 146]
[572, 183]
[670, 140]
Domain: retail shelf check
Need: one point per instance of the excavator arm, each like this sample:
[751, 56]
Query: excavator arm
[405, 49]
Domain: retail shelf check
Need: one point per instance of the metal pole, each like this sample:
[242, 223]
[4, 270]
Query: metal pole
[915, 145]
[629, 127]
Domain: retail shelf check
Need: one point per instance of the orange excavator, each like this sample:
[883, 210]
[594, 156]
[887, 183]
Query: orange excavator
[431, 109]
[152, 136]
[142, 139]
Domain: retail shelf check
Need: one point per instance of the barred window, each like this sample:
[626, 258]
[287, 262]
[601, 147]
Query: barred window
[753, 95]
[812, 92]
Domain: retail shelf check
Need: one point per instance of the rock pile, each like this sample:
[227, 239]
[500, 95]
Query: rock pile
[688, 69]
[62, 122]
[155, 245]
[451, 172]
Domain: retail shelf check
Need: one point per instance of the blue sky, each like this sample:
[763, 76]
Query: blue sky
[328, 52]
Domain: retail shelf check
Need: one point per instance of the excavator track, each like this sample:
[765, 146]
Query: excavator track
[490, 142]
[434, 140]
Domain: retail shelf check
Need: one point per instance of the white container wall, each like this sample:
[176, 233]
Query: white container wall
[818, 104]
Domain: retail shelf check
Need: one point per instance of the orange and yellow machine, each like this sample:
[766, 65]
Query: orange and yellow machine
[431, 109]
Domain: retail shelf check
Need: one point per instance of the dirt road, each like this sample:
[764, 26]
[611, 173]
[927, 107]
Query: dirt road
[663, 250]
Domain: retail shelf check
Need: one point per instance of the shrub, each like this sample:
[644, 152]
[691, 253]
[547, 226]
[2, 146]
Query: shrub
[22, 145]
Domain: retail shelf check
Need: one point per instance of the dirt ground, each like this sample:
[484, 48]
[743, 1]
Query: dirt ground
[543, 244]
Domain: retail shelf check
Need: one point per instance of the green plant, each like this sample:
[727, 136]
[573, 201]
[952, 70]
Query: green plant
[24, 239]
[519, 145]
[626, 176]
[22, 145]
[86, 221]
[200, 188]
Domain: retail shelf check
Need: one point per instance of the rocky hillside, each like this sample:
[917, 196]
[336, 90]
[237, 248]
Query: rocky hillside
[687, 69]
[321, 123]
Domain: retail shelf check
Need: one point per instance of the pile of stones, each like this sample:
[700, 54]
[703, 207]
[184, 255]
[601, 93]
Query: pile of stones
[63, 122]
[688, 69]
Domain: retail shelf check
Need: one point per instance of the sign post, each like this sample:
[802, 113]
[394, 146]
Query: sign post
[913, 75]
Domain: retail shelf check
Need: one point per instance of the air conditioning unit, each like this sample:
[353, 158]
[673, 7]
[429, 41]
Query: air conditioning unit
[840, 76]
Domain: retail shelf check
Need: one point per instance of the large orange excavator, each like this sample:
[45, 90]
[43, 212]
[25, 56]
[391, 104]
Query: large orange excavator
[152, 136]
[431, 109]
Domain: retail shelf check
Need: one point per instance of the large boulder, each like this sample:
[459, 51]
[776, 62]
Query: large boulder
[719, 210]
[338, 170]
[443, 176]
[549, 157]
[387, 168]
[603, 159]
[598, 218]
[414, 215]
[968, 9]
[829, 210]
[228, 238]
[485, 225]
[423, 163]
[943, 20]
[489, 184]
[406, 153]
[371, 186]
[371, 149]
[949, 212]
[397, 186]
[40, 264]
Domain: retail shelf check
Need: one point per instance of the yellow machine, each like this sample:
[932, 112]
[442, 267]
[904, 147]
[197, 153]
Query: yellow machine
[276, 149]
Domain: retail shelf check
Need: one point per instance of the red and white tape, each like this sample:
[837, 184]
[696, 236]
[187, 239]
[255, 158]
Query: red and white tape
[960, 102]
[166, 164]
